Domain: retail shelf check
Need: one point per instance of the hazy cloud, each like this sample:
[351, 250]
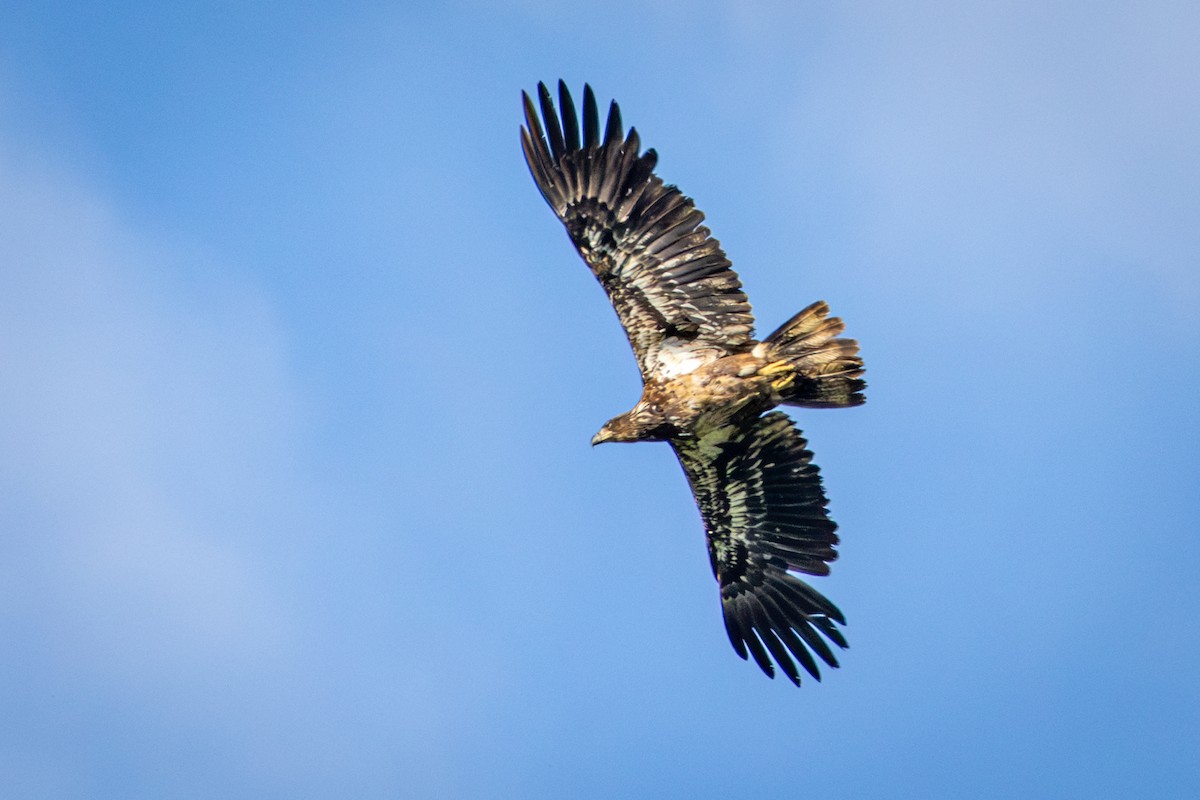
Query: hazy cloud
[145, 421]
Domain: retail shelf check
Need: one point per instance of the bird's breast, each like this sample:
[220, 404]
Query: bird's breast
[678, 357]
[706, 398]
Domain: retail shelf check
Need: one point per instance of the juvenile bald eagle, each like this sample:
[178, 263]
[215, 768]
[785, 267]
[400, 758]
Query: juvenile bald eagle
[708, 384]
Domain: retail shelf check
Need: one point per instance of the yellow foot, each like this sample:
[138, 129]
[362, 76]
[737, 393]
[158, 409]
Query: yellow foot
[780, 384]
[785, 371]
[775, 368]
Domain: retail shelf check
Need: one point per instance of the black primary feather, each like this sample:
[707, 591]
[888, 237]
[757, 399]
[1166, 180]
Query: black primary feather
[764, 512]
[666, 276]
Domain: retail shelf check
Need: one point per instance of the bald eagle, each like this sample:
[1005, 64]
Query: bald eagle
[709, 385]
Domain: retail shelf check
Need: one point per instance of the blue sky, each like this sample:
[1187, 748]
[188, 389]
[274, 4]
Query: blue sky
[299, 375]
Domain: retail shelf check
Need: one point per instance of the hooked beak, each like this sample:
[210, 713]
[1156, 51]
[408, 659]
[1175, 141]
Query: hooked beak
[602, 436]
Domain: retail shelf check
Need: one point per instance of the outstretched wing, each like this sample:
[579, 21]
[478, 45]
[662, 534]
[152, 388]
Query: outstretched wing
[680, 303]
[764, 513]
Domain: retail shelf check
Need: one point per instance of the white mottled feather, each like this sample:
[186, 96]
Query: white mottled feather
[677, 357]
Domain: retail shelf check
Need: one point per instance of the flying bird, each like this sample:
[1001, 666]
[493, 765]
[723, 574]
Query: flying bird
[709, 386]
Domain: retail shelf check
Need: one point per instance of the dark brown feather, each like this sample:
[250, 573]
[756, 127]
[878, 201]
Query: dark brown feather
[664, 273]
[764, 513]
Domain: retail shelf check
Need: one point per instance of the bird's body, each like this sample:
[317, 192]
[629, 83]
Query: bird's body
[694, 402]
[707, 382]
[694, 395]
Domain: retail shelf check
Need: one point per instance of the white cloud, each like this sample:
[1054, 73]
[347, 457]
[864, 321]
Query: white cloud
[144, 422]
[172, 547]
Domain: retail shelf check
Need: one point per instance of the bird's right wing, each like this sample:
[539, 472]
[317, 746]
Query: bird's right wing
[764, 512]
[672, 287]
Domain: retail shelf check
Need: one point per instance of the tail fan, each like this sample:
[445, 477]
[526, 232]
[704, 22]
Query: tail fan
[826, 369]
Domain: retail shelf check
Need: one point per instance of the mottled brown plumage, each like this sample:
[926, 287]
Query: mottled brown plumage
[707, 382]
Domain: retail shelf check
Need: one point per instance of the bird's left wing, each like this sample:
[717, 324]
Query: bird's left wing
[668, 279]
[764, 512]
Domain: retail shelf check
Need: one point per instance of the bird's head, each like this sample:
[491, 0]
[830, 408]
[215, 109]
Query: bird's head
[644, 423]
[617, 429]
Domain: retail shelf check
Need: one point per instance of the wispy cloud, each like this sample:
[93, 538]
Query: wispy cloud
[167, 531]
[145, 421]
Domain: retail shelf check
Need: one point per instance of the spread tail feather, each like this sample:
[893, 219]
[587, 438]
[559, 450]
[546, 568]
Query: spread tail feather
[827, 369]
